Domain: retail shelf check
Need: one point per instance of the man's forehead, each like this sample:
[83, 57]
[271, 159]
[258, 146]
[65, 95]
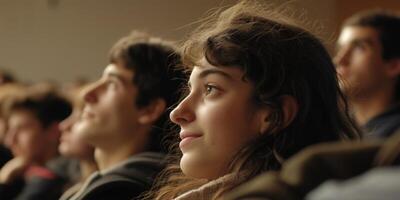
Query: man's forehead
[22, 115]
[358, 33]
[114, 69]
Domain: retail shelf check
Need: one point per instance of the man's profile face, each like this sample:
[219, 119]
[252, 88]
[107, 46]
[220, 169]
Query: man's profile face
[110, 114]
[359, 61]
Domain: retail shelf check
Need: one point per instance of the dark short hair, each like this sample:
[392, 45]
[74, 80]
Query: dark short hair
[48, 106]
[156, 73]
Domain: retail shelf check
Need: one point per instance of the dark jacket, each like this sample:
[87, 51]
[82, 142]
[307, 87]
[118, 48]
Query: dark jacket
[126, 181]
[383, 125]
[39, 183]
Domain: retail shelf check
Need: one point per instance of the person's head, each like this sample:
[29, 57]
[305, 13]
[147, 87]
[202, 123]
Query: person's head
[131, 99]
[71, 143]
[8, 94]
[6, 77]
[33, 125]
[368, 57]
[260, 90]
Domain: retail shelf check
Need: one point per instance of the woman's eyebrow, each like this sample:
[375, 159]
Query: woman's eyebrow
[214, 71]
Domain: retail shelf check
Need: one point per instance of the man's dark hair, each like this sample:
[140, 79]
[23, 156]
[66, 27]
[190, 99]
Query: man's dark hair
[156, 74]
[48, 106]
[388, 26]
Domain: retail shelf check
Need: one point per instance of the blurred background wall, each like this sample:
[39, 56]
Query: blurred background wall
[62, 40]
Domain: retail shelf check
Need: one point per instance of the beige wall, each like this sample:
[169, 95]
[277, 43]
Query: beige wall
[64, 39]
[346, 8]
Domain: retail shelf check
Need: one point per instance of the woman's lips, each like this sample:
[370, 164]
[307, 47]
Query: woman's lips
[187, 138]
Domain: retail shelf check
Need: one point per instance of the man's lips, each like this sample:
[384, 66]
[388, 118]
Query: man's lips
[342, 72]
[87, 114]
[63, 137]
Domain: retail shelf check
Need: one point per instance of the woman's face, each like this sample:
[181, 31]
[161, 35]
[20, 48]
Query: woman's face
[217, 118]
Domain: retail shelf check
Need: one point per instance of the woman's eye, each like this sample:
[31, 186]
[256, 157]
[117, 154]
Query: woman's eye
[209, 89]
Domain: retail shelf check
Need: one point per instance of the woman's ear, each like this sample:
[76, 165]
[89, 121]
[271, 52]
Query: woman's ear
[290, 107]
[264, 119]
[150, 113]
[264, 124]
[289, 111]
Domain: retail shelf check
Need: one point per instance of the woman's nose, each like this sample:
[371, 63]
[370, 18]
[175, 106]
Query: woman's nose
[183, 113]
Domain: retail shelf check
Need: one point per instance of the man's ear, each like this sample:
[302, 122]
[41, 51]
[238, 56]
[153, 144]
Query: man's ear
[393, 68]
[150, 113]
[290, 108]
